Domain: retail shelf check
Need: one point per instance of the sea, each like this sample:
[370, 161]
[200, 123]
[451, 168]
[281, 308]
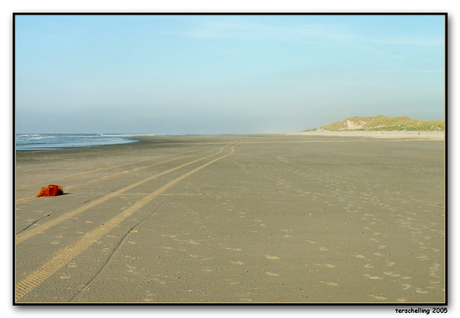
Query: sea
[61, 141]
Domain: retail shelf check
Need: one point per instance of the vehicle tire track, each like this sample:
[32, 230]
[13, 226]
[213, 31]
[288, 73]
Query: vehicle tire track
[24, 235]
[67, 254]
[118, 174]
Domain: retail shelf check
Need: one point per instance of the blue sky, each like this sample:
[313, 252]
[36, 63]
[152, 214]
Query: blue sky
[224, 74]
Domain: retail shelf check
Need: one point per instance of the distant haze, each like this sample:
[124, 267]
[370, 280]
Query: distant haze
[224, 74]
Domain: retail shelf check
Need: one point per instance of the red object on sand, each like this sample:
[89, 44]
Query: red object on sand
[50, 191]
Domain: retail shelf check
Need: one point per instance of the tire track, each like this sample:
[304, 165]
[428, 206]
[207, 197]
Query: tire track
[91, 171]
[70, 252]
[24, 235]
[118, 174]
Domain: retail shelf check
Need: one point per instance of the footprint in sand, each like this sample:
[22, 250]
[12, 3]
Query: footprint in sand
[326, 265]
[372, 277]
[379, 297]
[392, 274]
[272, 274]
[237, 263]
[233, 249]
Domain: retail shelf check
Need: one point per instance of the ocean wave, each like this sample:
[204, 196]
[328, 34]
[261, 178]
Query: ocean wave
[31, 141]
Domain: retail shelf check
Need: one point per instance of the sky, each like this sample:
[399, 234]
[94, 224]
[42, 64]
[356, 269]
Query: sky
[223, 74]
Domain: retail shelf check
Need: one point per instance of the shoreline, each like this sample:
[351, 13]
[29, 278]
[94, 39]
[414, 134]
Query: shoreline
[326, 133]
[375, 134]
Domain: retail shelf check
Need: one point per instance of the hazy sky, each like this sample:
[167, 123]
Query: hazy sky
[224, 74]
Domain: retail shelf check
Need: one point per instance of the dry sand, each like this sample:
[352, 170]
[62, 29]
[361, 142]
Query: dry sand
[234, 219]
[434, 135]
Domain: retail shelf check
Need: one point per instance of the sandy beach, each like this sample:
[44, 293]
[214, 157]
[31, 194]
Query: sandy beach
[291, 218]
[433, 135]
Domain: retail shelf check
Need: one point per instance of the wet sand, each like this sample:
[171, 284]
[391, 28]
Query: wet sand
[234, 219]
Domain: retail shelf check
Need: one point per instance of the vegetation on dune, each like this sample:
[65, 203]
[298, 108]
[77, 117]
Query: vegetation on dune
[384, 123]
